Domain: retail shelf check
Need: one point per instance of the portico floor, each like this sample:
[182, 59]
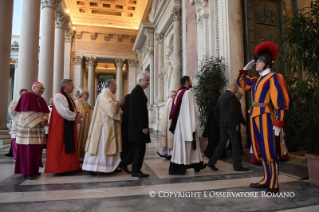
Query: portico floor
[203, 191]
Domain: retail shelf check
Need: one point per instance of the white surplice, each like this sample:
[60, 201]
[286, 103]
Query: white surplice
[101, 162]
[187, 123]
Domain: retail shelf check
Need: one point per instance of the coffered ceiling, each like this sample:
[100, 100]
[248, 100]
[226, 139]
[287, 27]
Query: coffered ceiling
[108, 13]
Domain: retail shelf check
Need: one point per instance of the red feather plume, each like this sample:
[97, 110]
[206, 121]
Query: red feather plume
[268, 47]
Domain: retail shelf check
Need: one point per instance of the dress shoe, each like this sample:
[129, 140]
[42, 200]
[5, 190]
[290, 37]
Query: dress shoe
[202, 166]
[29, 177]
[38, 173]
[124, 168]
[117, 170]
[9, 155]
[91, 173]
[212, 167]
[168, 157]
[139, 174]
[175, 173]
[272, 190]
[258, 185]
[241, 169]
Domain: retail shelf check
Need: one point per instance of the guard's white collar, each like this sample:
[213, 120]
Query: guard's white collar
[265, 72]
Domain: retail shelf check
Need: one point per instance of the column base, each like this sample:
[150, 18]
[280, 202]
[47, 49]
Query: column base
[5, 137]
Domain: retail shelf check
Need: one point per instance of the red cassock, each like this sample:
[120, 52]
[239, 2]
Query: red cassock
[57, 160]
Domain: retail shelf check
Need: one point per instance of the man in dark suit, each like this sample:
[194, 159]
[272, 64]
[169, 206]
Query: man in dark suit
[138, 131]
[227, 115]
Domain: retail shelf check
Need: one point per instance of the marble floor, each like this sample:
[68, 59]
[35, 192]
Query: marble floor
[225, 190]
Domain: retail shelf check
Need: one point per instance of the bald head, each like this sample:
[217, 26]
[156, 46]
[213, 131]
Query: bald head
[233, 88]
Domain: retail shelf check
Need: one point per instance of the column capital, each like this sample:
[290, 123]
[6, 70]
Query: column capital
[77, 60]
[50, 3]
[119, 62]
[159, 38]
[61, 20]
[176, 13]
[69, 34]
[15, 60]
[91, 61]
[133, 62]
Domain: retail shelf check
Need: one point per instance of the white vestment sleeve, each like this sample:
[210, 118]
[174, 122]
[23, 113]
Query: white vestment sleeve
[62, 107]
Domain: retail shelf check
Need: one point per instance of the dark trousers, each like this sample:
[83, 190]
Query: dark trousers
[135, 156]
[225, 134]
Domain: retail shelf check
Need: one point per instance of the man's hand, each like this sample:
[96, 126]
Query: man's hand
[43, 123]
[249, 65]
[79, 119]
[277, 130]
[121, 101]
[145, 131]
[237, 128]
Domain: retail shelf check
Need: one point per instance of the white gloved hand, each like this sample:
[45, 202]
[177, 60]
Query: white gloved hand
[249, 65]
[277, 130]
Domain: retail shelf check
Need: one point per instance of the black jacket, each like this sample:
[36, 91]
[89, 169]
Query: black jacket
[241, 118]
[226, 110]
[212, 125]
[138, 116]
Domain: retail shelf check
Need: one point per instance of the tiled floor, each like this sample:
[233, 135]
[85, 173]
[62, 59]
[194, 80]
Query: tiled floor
[121, 192]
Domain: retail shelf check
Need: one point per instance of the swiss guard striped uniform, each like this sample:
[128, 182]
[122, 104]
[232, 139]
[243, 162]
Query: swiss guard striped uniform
[270, 103]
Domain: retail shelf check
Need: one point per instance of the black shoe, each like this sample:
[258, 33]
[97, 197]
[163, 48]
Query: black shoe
[124, 168]
[38, 173]
[139, 174]
[272, 190]
[29, 177]
[212, 167]
[175, 173]
[258, 185]
[117, 170]
[202, 166]
[242, 169]
[91, 173]
[162, 156]
[9, 155]
[168, 157]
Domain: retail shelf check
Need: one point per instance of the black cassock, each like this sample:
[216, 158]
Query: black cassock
[211, 131]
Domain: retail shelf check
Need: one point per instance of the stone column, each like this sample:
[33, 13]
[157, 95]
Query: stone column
[95, 83]
[177, 74]
[47, 46]
[133, 66]
[119, 77]
[91, 79]
[125, 83]
[15, 91]
[77, 73]
[60, 25]
[160, 78]
[6, 11]
[67, 53]
[85, 79]
[150, 52]
[29, 44]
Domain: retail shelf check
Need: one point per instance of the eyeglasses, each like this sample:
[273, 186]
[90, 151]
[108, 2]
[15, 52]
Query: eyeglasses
[41, 88]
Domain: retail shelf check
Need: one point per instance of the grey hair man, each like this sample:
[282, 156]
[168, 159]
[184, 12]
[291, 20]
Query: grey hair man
[62, 153]
[138, 132]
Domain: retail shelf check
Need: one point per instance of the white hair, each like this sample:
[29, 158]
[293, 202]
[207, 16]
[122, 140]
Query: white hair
[108, 83]
[142, 76]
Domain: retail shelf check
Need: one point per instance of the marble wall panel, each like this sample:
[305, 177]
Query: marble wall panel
[191, 40]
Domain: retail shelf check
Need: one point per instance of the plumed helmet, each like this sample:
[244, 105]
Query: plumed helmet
[266, 52]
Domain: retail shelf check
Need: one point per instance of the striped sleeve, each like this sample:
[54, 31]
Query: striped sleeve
[280, 98]
[244, 81]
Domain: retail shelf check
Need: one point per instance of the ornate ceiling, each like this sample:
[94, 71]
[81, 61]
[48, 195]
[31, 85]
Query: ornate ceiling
[107, 13]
